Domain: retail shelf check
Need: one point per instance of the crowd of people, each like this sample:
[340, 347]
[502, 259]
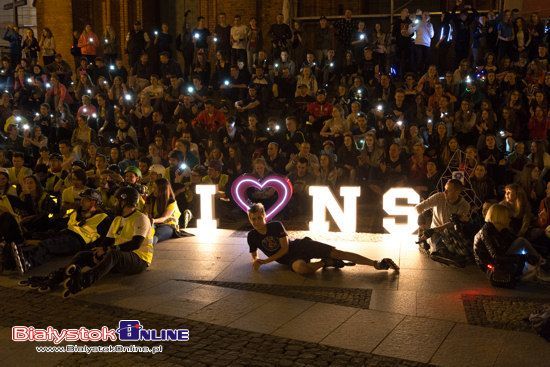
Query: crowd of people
[363, 106]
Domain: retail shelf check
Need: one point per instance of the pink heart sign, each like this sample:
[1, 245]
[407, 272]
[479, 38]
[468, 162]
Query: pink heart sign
[280, 184]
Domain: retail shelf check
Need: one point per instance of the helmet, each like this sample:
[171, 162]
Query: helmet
[92, 195]
[158, 169]
[127, 196]
[79, 163]
[134, 170]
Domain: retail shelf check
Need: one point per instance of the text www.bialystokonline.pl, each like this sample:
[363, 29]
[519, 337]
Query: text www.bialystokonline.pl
[88, 349]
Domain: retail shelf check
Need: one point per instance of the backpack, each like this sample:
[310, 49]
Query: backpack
[506, 270]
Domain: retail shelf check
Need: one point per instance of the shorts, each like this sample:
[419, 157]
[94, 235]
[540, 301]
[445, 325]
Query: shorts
[306, 249]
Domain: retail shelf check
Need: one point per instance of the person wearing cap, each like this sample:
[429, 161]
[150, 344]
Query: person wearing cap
[70, 196]
[318, 111]
[130, 156]
[14, 141]
[127, 247]
[86, 226]
[5, 187]
[18, 172]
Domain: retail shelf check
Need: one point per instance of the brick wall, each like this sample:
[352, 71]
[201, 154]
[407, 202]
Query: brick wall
[58, 16]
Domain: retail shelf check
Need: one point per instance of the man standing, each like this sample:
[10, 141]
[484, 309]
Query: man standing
[280, 33]
[424, 34]
[222, 36]
[136, 42]
[402, 41]
[239, 38]
[344, 29]
[323, 39]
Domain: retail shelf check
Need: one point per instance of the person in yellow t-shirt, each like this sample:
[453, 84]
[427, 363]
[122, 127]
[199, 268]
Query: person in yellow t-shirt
[128, 247]
[162, 207]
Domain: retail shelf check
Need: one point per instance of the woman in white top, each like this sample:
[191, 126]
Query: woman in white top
[47, 45]
[306, 78]
[336, 127]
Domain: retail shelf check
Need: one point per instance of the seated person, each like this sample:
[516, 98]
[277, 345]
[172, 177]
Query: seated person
[301, 180]
[271, 238]
[515, 199]
[70, 196]
[127, 249]
[162, 208]
[448, 207]
[495, 242]
[221, 180]
[85, 227]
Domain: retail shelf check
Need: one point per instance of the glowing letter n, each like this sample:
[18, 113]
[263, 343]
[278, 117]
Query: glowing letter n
[323, 199]
[206, 221]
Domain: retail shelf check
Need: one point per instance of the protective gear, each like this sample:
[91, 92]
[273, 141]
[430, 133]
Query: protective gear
[79, 164]
[134, 170]
[158, 169]
[86, 229]
[127, 196]
[92, 195]
[428, 232]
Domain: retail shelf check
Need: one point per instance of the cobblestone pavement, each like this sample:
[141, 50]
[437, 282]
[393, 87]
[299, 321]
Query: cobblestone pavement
[209, 345]
[352, 297]
[501, 312]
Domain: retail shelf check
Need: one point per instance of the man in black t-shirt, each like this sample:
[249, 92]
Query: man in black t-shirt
[271, 238]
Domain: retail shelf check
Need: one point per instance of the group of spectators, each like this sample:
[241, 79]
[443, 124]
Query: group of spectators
[363, 106]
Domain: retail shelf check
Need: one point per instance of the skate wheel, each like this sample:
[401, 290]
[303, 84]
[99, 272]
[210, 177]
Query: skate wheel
[44, 289]
[34, 286]
[70, 270]
[66, 294]
[24, 283]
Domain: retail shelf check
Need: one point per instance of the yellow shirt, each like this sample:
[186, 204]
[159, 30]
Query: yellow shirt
[123, 229]
[17, 176]
[173, 219]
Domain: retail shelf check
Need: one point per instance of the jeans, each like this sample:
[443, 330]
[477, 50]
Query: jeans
[66, 243]
[421, 57]
[163, 232]
[124, 262]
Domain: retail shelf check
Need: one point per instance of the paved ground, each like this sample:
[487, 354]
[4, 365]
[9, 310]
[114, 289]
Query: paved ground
[428, 314]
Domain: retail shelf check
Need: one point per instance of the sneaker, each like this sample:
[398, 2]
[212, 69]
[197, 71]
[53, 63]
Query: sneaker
[385, 264]
[187, 216]
[21, 263]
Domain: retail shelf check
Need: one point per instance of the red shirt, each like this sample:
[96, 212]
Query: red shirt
[537, 129]
[212, 122]
[318, 110]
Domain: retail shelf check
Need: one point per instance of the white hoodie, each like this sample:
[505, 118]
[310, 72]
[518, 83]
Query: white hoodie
[424, 33]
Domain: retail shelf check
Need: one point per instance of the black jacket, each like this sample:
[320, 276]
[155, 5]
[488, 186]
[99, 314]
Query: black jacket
[490, 243]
